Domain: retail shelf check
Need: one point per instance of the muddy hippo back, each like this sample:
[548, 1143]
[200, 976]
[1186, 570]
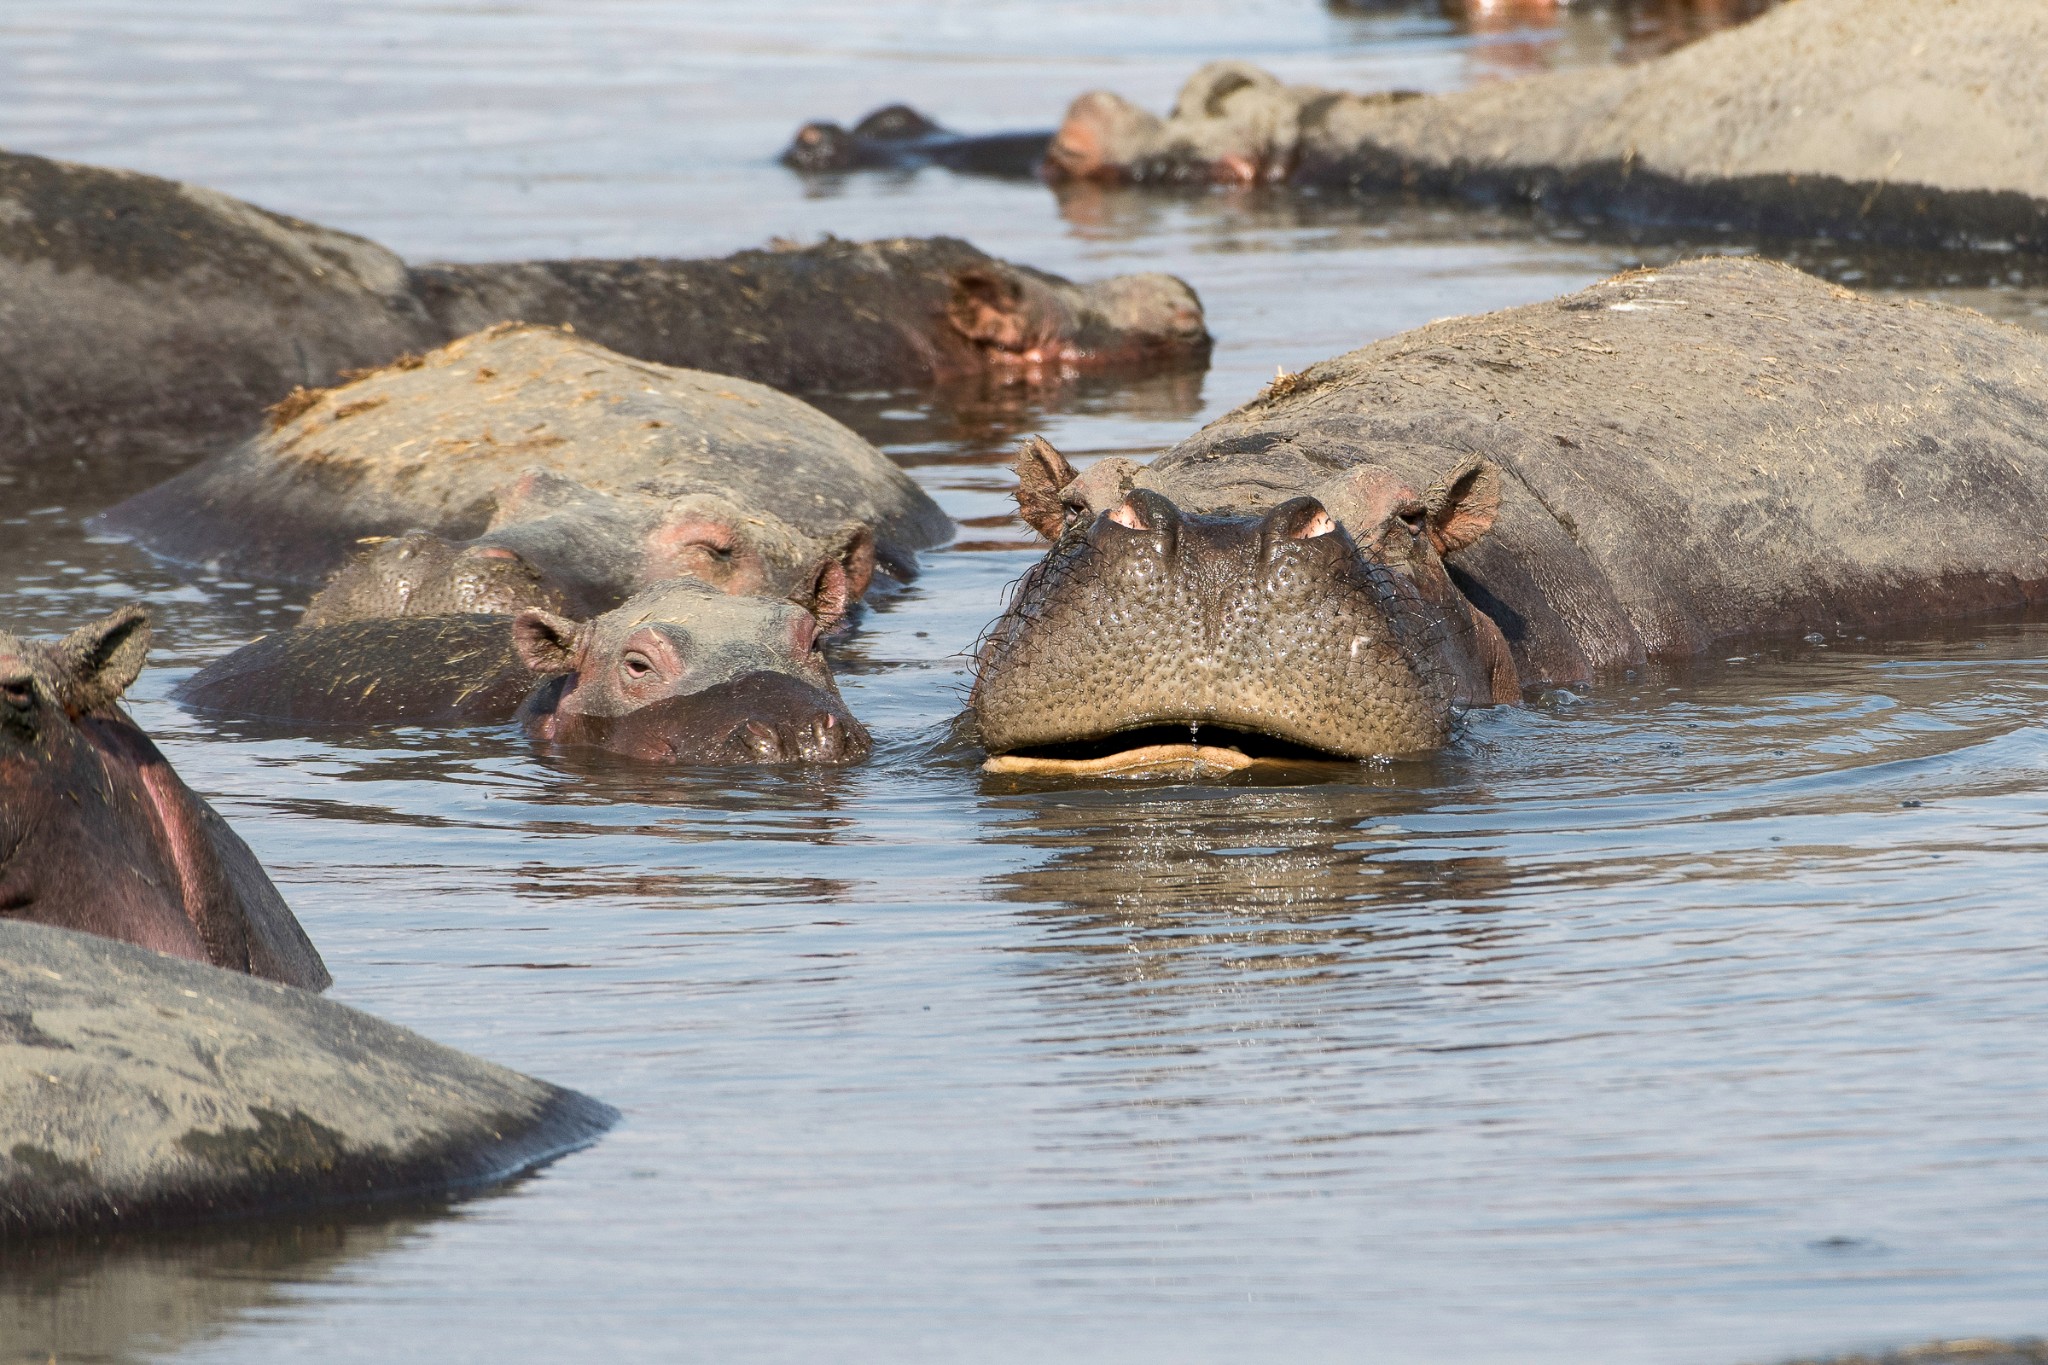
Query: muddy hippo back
[435, 444]
[143, 317]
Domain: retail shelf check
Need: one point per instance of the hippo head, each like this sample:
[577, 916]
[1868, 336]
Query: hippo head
[1321, 626]
[1021, 321]
[684, 673]
[46, 686]
[1232, 124]
[598, 547]
[422, 574]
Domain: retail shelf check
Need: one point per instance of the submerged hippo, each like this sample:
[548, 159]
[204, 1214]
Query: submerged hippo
[897, 137]
[98, 834]
[680, 673]
[603, 473]
[1888, 121]
[1666, 460]
[842, 315]
[145, 319]
[137, 1090]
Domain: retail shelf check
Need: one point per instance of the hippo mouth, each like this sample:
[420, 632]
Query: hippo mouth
[1161, 751]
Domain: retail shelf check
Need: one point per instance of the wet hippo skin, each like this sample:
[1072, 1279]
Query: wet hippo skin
[898, 137]
[138, 1090]
[98, 834]
[1669, 459]
[1886, 121]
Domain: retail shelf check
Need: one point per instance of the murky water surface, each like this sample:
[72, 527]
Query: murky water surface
[1698, 1019]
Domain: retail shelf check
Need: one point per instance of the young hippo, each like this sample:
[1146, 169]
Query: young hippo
[1665, 461]
[680, 673]
[639, 471]
[422, 574]
[97, 834]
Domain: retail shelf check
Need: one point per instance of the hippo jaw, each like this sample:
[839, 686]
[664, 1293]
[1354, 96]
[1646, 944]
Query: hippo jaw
[1149, 640]
[760, 717]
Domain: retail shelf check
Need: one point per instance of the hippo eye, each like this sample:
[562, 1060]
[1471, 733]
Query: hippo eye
[18, 695]
[636, 665]
[1416, 519]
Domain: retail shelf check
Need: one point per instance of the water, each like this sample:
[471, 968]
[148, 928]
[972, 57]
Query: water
[1693, 1020]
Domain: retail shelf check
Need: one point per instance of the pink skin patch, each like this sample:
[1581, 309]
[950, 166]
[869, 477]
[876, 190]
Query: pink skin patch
[707, 550]
[121, 751]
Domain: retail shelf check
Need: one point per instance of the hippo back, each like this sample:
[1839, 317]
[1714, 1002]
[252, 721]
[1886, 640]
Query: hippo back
[142, 316]
[432, 444]
[1720, 447]
[410, 670]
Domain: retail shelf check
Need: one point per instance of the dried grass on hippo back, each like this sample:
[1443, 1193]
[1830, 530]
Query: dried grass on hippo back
[585, 440]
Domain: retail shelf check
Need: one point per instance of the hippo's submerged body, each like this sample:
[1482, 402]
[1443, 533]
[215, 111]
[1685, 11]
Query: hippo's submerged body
[1666, 460]
[141, 318]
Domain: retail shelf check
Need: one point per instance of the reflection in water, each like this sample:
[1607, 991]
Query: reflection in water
[141, 1297]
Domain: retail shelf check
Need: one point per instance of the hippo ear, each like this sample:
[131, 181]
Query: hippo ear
[827, 594]
[546, 643]
[855, 552]
[1041, 473]
[96, 663]
[1463, 504]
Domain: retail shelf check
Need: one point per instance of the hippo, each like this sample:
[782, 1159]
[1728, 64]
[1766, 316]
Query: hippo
[148, 322]
[898, 137]
[843, 315]
[1889, 122]
[144, 320]
[137, 1090]
[603, 474]
[680, 673]
[1537, 497]
[97, 833]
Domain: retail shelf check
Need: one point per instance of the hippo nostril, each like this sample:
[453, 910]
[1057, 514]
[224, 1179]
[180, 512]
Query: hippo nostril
[762, 740]
[827, 737]
[1145, 510]
[1295, 519]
